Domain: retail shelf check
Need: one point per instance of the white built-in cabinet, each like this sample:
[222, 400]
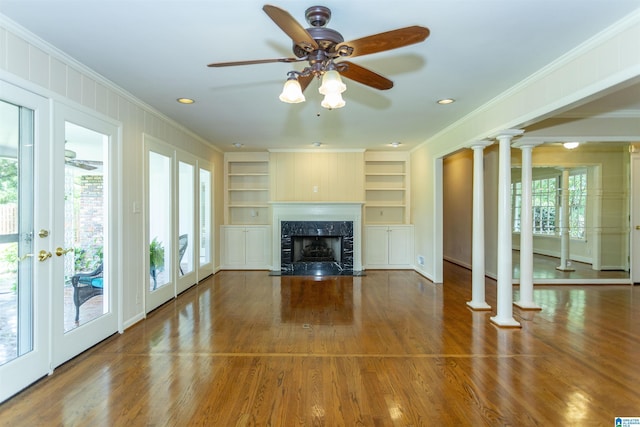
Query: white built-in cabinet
[246, 247]
[246, 235]
[388, 236]
[388, 246]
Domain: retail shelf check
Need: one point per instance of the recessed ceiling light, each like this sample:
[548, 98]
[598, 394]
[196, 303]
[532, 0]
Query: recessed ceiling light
[395, 144]
[185, 100]
[238, 145]
[446, 101]
[317, 144]
[571, 145]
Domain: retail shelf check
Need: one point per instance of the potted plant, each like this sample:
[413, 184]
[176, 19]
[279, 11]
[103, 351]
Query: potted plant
[156, 260]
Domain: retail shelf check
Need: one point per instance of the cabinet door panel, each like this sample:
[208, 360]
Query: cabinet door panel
[399, 247]
[234, 246]
[376, 245]
[256, 242]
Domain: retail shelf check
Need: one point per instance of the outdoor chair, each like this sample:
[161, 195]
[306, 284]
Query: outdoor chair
[86, 286]
[183, 241]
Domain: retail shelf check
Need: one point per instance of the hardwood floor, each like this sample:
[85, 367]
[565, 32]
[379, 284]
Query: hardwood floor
[387, 349]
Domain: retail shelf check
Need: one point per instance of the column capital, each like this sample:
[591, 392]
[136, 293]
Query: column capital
[509, 133]
[483, 143]
[524, 143]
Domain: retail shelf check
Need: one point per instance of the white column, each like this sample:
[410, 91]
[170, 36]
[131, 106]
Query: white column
[526, 229]
[477, 257]
[504, 316]
[564, 223]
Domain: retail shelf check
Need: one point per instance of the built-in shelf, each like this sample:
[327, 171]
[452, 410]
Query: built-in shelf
[386, 187]
[247, 189]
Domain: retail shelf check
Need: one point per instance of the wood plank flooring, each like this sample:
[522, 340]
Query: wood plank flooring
[387, 349]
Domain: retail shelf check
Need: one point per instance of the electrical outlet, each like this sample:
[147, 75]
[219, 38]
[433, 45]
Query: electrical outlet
[420, 260]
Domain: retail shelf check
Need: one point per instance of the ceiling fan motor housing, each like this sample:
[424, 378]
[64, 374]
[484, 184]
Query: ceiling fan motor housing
[318, 17]
[325, 37]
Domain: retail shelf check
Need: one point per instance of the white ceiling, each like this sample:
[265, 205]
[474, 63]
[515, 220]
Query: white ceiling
[158, 51]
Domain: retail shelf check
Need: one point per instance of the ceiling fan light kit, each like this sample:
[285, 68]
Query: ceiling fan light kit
[331, 83]
[333, 100]
[292, 92]
[323, 48]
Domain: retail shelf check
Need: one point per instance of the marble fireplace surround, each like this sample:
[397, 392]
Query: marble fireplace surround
[316, 211]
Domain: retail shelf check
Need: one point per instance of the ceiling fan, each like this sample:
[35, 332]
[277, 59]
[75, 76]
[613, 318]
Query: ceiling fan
[71, 160]
[325, 49]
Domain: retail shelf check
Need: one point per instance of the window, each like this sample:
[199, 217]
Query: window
[544, 201]
[545, 204]
[516, 203]
[577, 204]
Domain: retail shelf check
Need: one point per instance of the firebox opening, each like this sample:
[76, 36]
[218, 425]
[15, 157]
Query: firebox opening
[317, 249]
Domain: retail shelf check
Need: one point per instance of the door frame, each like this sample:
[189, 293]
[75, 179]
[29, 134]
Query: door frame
[634, 250]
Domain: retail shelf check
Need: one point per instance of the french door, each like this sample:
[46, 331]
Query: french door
[186, 221]
[159, 166]
[58, 222]
[83, 237]
[25, 268]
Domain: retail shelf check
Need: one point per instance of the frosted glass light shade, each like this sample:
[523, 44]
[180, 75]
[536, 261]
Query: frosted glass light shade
[333, 100]
[292, 92]
[332, 83]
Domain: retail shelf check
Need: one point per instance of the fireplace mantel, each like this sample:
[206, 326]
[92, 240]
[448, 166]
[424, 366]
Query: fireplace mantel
[317, 211]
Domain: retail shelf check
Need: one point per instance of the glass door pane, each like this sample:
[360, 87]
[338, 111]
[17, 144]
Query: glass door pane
[159, 220]
[186, 204]
[16, 232]
[85, 290]
[205, 217]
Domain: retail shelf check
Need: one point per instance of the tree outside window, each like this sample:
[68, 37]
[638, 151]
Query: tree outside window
[545, 203]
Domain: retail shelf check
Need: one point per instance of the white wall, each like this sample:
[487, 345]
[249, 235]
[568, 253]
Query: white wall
[31, 63]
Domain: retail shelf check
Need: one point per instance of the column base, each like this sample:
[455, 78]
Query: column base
[479, 306]
[561, 268]
[527, 305]
[505, 323]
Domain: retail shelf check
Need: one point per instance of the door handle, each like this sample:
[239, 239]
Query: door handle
[60, 251]
[25, 256]
[43, 255]
[637, 227]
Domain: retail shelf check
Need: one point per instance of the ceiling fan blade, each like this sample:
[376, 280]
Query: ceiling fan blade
[385, 41]
[81, 165]
[291, 27]
[305, 80]
[365, 76]
[255, 61]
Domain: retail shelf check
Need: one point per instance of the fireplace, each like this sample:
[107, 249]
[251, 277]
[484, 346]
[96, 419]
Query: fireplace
[316, 247]
[330, 232]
